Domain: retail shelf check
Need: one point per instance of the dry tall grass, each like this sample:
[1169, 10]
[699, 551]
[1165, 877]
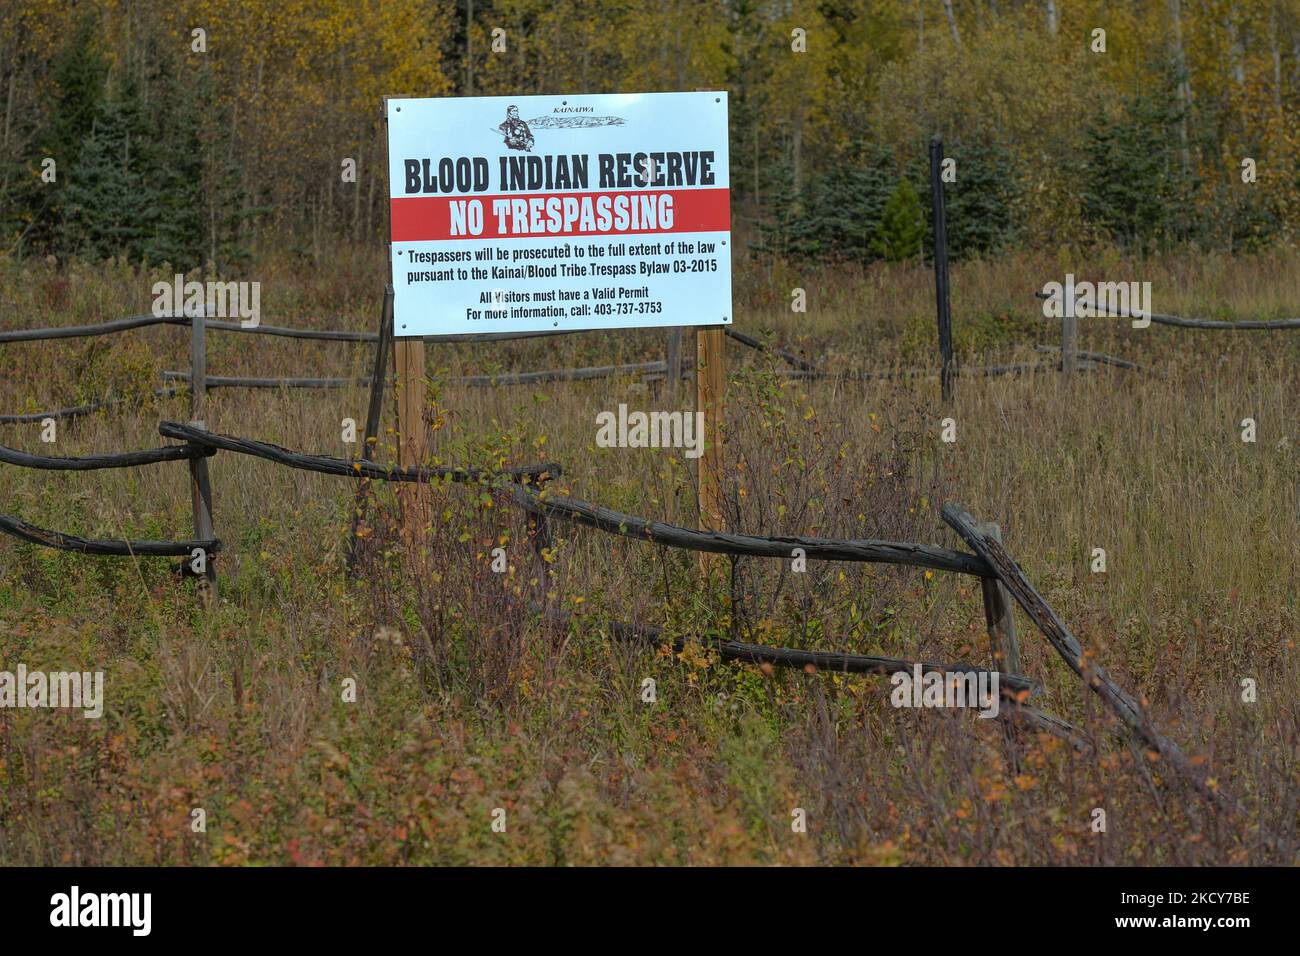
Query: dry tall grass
[466, 704]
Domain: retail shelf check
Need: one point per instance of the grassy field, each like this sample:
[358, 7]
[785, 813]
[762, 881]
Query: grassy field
[466, 705]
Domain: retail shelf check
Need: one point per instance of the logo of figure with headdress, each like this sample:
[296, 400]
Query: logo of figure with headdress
[516, 131]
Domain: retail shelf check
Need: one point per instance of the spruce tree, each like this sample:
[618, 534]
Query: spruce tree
[79, 71]
[79, 74]
[1134, 186]
[109, 201]
[980, 201]
[837, 213]
[172, 160]
[854, 196]
[898, 237]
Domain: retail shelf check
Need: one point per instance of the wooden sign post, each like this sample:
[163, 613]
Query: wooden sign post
[412, 436]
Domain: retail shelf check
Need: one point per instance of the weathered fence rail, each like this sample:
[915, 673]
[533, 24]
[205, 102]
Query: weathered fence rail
[1000, 576]
[198, 442]
[128, 459]
[116, 547]
[1178, 321]
[1072, 358]
[83, 331]
[231, 381]
[1094, 676]
[672, 366]
[326, 335]
[746, 545]
[345, 467]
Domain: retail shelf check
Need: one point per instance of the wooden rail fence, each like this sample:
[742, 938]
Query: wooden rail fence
[525, 486]
[670, 369]
[1074, 359]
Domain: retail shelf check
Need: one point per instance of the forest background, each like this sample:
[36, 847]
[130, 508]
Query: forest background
[166, 154]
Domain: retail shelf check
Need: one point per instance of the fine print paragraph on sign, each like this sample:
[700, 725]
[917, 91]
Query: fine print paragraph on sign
[548, 213]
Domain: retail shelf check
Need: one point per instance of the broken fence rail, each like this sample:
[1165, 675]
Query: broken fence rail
[1120, 702]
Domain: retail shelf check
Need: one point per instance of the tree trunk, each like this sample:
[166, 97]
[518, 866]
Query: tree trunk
[796, 150]
[1184, 84]
[13, 78]
[1052, 22]
[356, 195]
[469, 48]
[952, 21]
[1277, 58]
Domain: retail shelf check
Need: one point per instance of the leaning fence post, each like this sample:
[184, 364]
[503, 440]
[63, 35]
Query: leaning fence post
[371, 436]
[940, 214]
[201, 498]
[998, 616]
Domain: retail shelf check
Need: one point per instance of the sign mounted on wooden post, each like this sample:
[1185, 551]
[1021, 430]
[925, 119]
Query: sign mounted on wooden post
[551, 213]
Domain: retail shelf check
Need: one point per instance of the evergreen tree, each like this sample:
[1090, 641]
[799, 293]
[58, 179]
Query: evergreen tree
[898, 237]
[784, 229]
[837, 213]
[855, 192]
[109, 201]
[79, 74]
[980, 201]
[173, 162]
[1134, 185]
[34, 207]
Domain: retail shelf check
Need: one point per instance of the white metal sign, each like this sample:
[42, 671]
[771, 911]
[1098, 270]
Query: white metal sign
[543, 213]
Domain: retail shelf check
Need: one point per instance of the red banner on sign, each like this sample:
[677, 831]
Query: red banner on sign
[560, 215]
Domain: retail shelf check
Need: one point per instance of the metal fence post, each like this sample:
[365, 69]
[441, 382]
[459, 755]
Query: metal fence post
[942, 303]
